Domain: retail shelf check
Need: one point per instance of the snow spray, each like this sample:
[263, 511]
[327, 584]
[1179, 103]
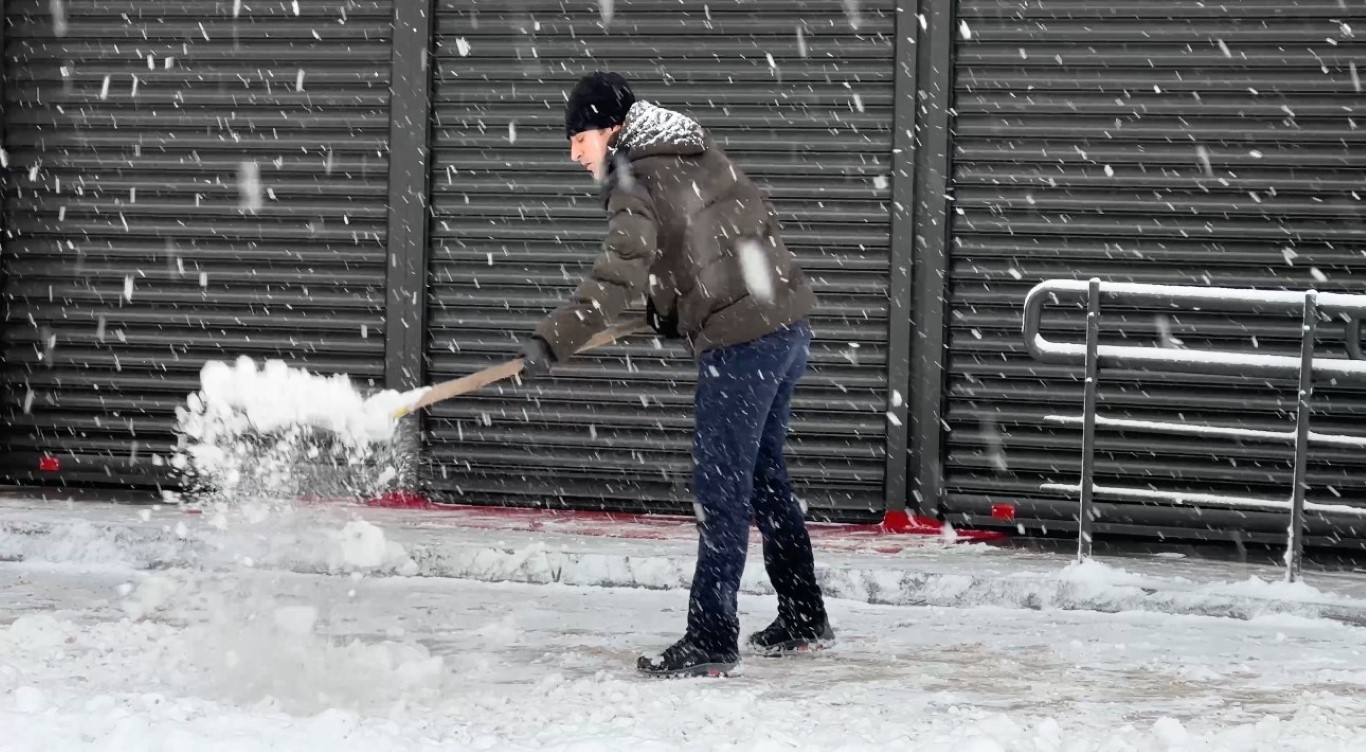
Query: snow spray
[276, 433]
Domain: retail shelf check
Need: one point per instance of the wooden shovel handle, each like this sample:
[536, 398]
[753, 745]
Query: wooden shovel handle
[480, 379]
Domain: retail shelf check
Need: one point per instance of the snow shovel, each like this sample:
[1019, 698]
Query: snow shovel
[480, 379]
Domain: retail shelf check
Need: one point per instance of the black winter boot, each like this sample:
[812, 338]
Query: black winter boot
[686, 659]
[780, 639]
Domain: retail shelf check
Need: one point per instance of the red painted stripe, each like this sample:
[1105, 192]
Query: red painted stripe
[661, 527]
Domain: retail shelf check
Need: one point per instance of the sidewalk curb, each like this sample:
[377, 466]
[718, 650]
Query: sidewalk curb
[1084, 588]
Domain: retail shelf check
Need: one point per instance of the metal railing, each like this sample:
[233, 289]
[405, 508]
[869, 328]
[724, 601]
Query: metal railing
[1095, 356]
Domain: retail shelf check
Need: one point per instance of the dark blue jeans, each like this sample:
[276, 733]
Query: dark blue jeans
[743, 403]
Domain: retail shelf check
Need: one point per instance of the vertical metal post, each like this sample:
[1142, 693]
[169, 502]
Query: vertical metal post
[1294, 554]
[1088, 426]
[410, 102]
[5, 172]
[931, 263]
[896, 488]
[4, 79]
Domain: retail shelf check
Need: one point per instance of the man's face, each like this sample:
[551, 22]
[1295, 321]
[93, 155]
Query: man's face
[589, 149]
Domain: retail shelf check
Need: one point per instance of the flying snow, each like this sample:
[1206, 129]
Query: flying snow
[261, 433]
[249, 186]
[757, 270]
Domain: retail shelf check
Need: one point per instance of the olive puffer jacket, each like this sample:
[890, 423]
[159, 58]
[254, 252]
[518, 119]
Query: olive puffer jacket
[687, 228]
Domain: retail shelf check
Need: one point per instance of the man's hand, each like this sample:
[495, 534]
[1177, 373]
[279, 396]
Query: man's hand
[537, 359]
[664, 326]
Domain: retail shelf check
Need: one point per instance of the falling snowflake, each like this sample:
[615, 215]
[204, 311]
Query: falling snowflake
[249, 186]
[757, 270]
[851, 10]
[1164, 332]
[1203, 155]
[58, 10]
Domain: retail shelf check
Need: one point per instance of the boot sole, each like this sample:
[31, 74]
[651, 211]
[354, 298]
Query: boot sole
[793, 647]
[700, 671]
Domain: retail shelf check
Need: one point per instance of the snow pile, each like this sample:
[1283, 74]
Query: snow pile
[1256, 587]
[276, 432]
[360, 546]
[294, 538]
[1096, 580]
[79, 542]
[331, 539]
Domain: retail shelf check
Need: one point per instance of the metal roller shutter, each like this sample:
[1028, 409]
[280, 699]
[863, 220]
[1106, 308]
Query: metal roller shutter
[1163, 141]
[136, 251]
[799, 93]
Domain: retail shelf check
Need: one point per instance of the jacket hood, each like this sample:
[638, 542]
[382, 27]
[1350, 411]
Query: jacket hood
[650, 129]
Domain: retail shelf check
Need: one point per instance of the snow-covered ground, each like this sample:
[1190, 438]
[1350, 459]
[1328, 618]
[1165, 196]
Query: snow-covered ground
[282, 661]
[101, 655]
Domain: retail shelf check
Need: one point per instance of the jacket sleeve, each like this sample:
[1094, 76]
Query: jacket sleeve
[620, 273]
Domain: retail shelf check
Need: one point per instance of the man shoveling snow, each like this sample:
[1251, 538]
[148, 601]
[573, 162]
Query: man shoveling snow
[688, 229]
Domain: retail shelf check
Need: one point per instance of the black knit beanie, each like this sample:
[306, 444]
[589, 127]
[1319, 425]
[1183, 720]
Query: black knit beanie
[599, 100]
